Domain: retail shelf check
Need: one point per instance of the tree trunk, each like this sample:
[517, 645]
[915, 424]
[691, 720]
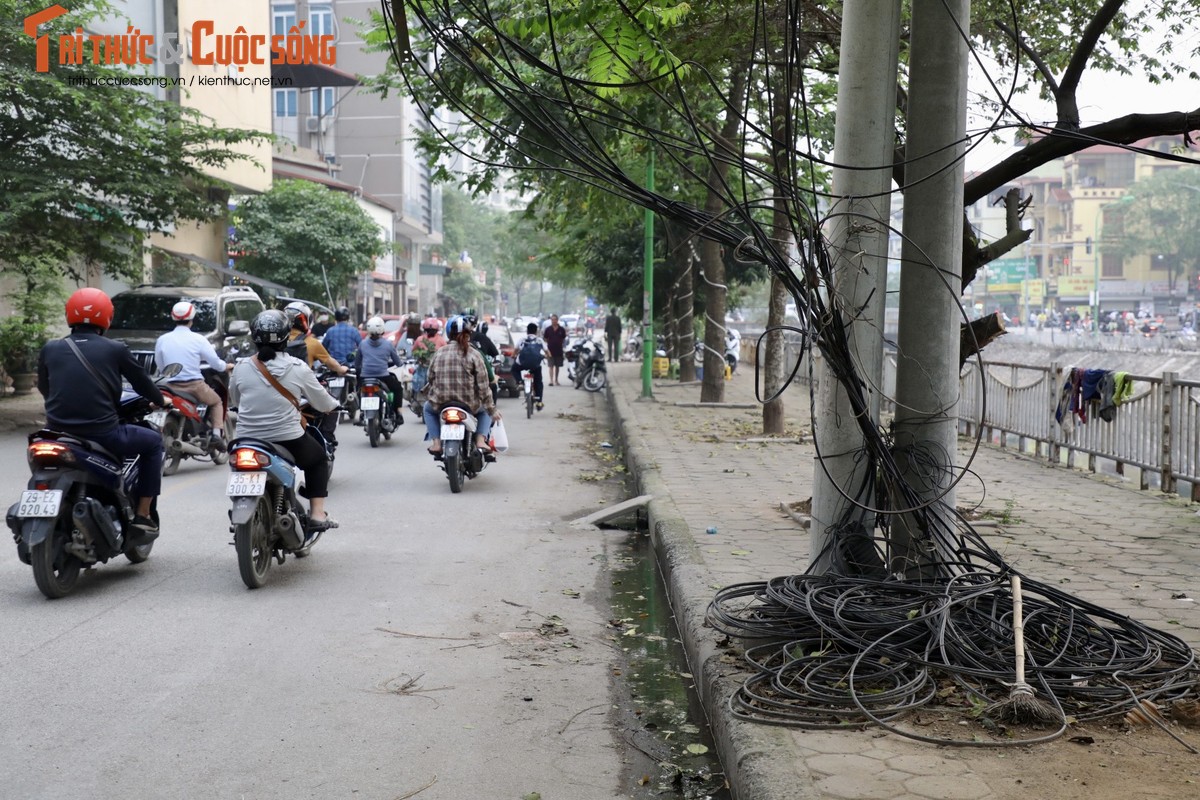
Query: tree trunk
[846, 405]
[925, 431]
[712, 260]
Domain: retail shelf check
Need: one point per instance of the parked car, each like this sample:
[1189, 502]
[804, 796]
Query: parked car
[223, 315]
[503, 339]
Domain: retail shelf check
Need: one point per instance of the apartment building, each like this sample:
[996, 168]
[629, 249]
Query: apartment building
[341, 134]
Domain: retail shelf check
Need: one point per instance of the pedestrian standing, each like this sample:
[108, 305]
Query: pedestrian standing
[612, 334]
[555, 337]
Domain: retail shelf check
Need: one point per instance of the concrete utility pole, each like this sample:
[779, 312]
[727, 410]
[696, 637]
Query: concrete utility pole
[863, 147]
[926, 429]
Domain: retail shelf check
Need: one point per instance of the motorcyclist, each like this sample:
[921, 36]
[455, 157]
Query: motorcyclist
[423, 349]
[342, 339]
[457, 374]
[539, 344]
[483, 343]
[265, 413]
[375, 355]
[308, 348]
[303, 345]
[189, 349]
[84, 402]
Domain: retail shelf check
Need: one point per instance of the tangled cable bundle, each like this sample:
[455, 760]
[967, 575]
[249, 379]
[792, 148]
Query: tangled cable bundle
[900, 622]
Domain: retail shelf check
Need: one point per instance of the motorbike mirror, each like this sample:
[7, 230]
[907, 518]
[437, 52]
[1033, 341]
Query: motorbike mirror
[170, 371]
[237, 327]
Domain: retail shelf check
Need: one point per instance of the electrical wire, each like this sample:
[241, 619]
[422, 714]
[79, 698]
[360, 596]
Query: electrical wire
[915, 609]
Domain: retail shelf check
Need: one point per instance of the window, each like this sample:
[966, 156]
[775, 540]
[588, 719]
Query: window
[323, 101]
[285, 102]
[320, 21]
[241, 309]
[1113, 265]
[283, 18]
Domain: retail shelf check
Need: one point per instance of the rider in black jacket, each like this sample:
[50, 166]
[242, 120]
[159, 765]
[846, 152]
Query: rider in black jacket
[77, 404]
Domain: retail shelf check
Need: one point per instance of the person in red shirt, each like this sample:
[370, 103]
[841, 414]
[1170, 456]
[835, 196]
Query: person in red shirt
[555, 337]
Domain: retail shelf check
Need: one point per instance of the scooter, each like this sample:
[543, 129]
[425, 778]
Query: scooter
[375, 402]
[587, 368]
[460, 458]
[267, 519]
[185, 429]
[77, 509]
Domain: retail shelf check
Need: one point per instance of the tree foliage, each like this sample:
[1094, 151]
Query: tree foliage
[1160, 221]
[306, 236]
[88, 169]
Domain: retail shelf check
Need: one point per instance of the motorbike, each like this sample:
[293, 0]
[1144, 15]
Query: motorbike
[344, 389]
[379, 417]
[460, 458]
[586, 366]
[404, 373]
[77, 509]
[185, 430]
[267, 519]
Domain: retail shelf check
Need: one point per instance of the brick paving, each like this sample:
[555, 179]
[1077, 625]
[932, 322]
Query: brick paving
[1097, 537]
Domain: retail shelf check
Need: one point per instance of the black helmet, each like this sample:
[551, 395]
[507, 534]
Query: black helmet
[342, 314]
[269, 328]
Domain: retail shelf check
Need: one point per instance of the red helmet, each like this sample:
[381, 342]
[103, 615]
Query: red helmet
[90, 307]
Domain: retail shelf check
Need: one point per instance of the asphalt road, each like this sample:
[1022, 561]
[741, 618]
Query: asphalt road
[435, 646]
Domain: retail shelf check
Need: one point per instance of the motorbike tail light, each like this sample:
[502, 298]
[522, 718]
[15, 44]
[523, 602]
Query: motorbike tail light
[454, 415]
[41, 486]
[50, 452]
[370, 390]
[246, 459]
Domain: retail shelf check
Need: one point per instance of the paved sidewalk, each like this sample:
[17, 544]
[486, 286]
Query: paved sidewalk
[1105, 542]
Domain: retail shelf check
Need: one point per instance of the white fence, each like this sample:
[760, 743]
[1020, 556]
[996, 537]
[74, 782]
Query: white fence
[1156, 431]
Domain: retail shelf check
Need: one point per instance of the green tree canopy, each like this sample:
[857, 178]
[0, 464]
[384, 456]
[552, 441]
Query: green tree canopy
[88, 169]
[304, 235]
[1160, 220]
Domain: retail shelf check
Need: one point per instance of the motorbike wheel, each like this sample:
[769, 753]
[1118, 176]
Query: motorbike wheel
[171, 431]
[252, 540]
[54, 569]
[594, 379]
[373, 430]
[455, 471]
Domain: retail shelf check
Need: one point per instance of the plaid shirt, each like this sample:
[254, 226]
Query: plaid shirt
[460, 378]
[341, 341]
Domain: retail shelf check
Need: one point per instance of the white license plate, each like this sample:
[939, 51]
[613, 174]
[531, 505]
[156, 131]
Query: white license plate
[369, 404]
[157, 418]
[454, 433]
[337, 383]
[39, 503]
[246, 484]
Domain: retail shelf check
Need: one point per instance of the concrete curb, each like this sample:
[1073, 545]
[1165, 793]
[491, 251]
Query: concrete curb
[759, 760]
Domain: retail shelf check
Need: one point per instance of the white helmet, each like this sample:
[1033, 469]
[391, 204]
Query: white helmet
[183, 311]
[298, 311]
[375, 326]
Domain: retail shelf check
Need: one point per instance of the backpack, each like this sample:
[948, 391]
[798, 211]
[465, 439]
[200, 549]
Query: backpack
[530, 355]
[297, 348]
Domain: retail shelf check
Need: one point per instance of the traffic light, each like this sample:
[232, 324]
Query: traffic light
[1066, 265]
[1087, 245]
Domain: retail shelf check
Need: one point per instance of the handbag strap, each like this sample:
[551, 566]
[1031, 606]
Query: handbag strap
[96, 375]
[279, 388]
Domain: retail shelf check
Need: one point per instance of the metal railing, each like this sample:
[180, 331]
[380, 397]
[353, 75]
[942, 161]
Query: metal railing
[1156, 430]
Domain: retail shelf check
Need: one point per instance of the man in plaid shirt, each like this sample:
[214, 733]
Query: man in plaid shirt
[458, 375]
[343, 339]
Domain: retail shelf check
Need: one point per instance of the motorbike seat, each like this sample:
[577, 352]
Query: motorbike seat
[186, 395]
[270, 447]
[71, 438]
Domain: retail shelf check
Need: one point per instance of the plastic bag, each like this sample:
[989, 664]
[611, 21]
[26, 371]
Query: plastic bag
[500, 436]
